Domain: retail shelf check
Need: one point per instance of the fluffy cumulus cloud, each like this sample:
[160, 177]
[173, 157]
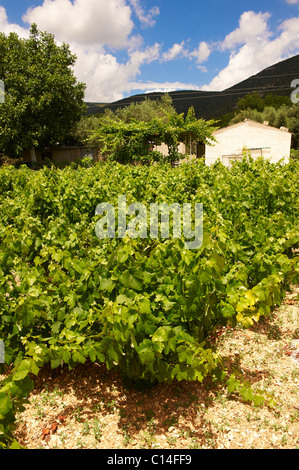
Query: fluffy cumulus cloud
[253, 28]
[95, 29]
[202, 53]
[106, 77]
[178, 51]
[6, 27]
[253, 47]
[86, 22]
[174, 52]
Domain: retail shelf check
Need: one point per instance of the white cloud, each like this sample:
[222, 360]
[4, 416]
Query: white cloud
[108, 79]
[166, 87]
[253, 51]
[202, 53]
[202, 68]
[91, 26]
[6, 27]
[174, 52]
[148, 55]
[292, 2]
[252, 27]
[88, 22]
[147, 19]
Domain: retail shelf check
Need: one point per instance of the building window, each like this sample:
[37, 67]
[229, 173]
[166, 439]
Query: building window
[228, 160]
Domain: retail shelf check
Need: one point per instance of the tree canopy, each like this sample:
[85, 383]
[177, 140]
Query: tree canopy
[255, 101]
[130, 134]
[43, 99]
[145, 110]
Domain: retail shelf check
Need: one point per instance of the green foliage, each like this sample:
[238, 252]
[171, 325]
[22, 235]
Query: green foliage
[293, 114]
[83, 129]
[237, 386]
[256, 102]
[251, 100]
[13, 393]
[295, 154]
[86, 162]
[276, 110]
[130, 134]
[43, 100]
[131, 141]
[144, 111]
[275, 117]
[143, 306]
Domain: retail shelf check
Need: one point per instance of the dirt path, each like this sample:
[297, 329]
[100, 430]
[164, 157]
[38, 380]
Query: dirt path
[90, 408]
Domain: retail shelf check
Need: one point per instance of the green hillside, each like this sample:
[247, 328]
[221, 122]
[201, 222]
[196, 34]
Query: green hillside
[275, 79]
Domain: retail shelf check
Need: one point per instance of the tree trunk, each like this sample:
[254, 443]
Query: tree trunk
[33, 155]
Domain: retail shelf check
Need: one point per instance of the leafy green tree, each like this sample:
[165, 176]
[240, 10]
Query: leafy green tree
[251, 100]
[84, 128]
[275, 117]
[293, 114]
[144, 111]
[131, 141]
[256, 102]
[43, 99]
[276, 101]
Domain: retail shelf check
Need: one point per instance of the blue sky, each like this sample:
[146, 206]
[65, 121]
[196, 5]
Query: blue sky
[125, 47]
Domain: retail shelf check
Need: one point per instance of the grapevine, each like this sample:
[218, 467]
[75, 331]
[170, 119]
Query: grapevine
[143, 306]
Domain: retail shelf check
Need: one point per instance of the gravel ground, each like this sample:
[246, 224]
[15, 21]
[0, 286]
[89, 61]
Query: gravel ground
[89, 407]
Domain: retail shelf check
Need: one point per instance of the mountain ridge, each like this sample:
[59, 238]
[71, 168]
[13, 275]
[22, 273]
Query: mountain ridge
[275, 79]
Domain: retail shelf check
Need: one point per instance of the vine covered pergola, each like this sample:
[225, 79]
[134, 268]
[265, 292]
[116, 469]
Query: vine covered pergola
[132, 141]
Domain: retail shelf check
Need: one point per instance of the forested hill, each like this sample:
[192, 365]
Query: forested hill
[275, 79]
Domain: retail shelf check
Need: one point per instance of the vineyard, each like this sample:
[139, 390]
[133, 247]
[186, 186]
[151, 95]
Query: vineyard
[145, 307]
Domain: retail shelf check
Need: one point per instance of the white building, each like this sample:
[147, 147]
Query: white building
[260, 140]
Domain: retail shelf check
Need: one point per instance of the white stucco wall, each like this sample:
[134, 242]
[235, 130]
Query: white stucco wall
[259, 139]
[163, 148]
